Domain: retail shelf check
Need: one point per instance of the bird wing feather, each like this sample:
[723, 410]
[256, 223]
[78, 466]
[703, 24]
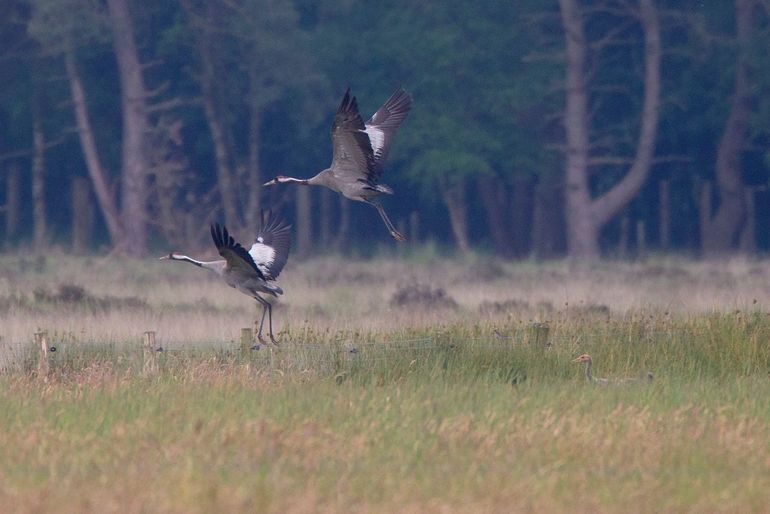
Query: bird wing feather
[270, 250]
[382, 126]
[238, 259]
[353, 158]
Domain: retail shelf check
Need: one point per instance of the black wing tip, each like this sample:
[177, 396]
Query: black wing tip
[221, 236]
[216, 234]
[348, 103]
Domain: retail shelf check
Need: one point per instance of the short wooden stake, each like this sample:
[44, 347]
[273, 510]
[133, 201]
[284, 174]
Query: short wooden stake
[149, 354]
[247, 339]
[44, 361]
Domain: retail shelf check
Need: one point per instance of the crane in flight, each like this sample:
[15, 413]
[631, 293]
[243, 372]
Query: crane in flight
[250, 272]
[359, 152]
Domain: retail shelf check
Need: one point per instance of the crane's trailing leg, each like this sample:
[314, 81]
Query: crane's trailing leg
[270, 322]
[258, 330]
[398, 236]
[267, 308]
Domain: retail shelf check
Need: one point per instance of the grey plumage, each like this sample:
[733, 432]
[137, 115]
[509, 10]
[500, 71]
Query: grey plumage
[250, 272]
[359, 152]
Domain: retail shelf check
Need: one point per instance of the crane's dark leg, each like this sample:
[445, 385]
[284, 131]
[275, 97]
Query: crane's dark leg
[267, 308]
[262, 322]
[393, 232]
[270, 322]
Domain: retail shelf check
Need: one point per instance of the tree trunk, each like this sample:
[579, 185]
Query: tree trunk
[582, 232]
[585, 216]
[521, 216]
[12, 201]
[664, 201]
[88, 143]
[723, 229]
[748, 241]
[208, 81]
[326, 199]
[304, 221]
[82, 216]
[625, 237]
[414, 227]
[641, 240]
[254, 170]
[133, 100]
[39, 216]
[343, 230]
[704, 208]
[610, 203]
[494, 199]
[172, 198]
[454, 197]
[547, 219]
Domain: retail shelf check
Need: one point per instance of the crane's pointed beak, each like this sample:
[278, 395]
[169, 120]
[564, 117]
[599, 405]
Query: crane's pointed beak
[165, 257]
[270, 183]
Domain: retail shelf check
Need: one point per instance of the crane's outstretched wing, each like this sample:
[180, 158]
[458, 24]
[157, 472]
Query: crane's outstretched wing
[271, 247]
[352, 157]
[238, 259]
[381, 127]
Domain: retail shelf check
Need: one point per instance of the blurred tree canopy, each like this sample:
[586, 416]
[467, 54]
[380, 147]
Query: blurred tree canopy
[237, 91]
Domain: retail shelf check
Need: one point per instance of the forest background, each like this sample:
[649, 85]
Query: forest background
[539, 129]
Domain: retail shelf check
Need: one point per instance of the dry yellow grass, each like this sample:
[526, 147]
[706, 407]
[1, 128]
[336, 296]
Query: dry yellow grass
[186, 304]
[394, 428]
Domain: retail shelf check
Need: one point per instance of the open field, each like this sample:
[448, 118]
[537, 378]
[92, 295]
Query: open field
[447, 404]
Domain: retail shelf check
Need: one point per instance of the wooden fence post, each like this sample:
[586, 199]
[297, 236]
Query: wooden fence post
[149, 354]
[247, 338]
[44, 359]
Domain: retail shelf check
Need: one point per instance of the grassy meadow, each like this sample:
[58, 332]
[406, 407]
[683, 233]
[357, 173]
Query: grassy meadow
[408, 384]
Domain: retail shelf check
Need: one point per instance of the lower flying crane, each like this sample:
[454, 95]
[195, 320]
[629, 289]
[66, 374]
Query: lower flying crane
[250, 272]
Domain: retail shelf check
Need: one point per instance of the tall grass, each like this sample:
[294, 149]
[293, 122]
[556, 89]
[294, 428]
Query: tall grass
[370, 406]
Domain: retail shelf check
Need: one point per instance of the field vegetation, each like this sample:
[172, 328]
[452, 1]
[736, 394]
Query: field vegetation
[409, 383]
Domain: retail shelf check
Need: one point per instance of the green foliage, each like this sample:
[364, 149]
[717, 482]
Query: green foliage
[487, 82]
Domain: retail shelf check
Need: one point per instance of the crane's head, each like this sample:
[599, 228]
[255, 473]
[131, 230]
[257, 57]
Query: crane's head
[172, 257]
[279, 179]
[583, 358]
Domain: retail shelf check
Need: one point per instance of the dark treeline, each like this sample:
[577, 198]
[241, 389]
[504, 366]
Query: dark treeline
[569, 127]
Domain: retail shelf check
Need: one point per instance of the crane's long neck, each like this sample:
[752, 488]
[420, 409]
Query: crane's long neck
[215, 266]
[589, 375]
[292, 180]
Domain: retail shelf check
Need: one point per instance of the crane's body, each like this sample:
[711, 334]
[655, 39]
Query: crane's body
[233, 277]
[588, 361]
[250, 272]
[359, 152]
